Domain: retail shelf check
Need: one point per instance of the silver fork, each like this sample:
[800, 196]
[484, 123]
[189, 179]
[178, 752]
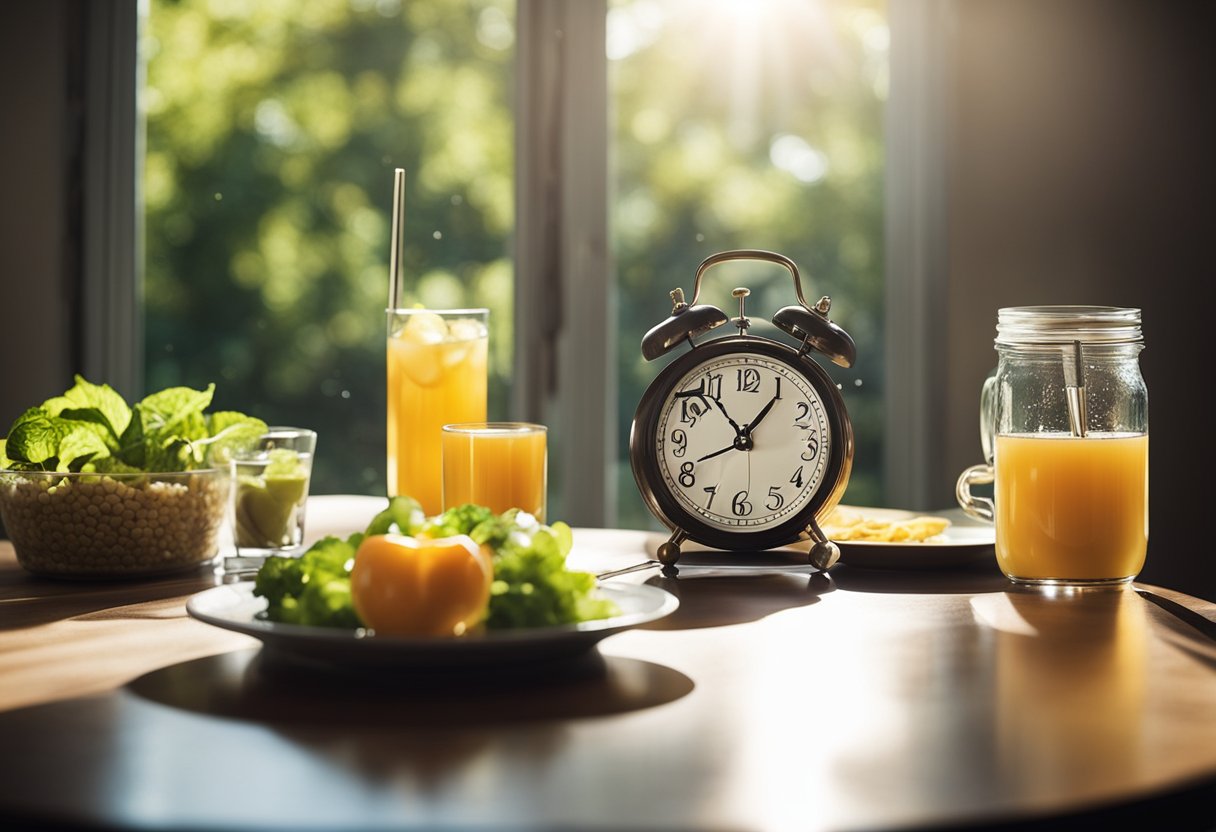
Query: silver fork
[637, 567]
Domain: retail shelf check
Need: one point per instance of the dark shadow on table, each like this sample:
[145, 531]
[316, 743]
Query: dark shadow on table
[262, 686]
[717, 589]
[965, 580]
[1186, 808]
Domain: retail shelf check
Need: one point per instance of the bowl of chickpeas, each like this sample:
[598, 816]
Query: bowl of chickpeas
[115, 525]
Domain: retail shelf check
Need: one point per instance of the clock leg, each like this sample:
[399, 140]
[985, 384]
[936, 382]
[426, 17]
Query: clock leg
[669, 552]
[824, 553]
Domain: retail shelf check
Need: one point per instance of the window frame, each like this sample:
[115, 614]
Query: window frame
[565, 342]
[916, 219]
[111, 224]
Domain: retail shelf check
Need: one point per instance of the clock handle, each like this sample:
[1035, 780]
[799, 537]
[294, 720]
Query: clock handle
[748, 254]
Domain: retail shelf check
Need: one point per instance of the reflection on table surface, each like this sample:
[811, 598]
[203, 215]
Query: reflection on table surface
[772, 698]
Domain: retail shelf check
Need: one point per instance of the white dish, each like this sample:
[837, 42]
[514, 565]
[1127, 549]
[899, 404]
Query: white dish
[235, 607]
[963, 542]
[960, 544]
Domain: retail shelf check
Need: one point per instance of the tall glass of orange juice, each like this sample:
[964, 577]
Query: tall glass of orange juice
[500, 465]
[437, 375]
[1064, 425]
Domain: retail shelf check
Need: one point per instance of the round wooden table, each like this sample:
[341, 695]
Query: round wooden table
[771, 699]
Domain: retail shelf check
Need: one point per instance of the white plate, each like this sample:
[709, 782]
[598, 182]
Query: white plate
[235, 607]
[963, 542]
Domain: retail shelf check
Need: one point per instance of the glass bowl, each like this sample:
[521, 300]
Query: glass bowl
[114, 525]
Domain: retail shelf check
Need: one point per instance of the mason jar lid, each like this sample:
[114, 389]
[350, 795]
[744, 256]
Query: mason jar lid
[1026, 325]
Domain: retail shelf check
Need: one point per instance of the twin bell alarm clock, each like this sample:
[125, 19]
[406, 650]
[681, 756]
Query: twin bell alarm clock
[743, 442]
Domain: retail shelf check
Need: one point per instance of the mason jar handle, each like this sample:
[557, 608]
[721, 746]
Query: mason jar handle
[981, 508]
[748, 254]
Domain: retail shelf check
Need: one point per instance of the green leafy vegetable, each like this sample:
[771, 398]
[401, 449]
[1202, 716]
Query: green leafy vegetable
[34, 438]
[532, 586]
[403, 515]
[79, 447]
[91, 428]
[99, 404]
[458, 520]
[313, 589]
[227, 431]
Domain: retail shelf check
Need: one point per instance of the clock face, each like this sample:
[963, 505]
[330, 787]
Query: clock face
[743, 442]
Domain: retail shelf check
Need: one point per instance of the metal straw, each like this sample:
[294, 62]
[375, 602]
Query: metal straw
[398, 240]
[1074, 387]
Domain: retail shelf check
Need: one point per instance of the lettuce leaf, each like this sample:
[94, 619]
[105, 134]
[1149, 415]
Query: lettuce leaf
[90, 427]
[226, 432]
[35, 436]
[81, 446]
[404, 515]
[313, 589]
[532, 586]
[96, 403]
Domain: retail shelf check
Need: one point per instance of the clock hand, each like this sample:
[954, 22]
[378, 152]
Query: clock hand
[717, 453]
[733, 423]
[763, 412]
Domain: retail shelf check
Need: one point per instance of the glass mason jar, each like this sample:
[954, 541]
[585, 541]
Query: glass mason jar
[1064, 427]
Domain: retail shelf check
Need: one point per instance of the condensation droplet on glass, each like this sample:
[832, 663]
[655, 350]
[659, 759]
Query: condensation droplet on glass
[857, 382]
[218, 196]
[346, 394]
[438, 235]
[457, 199]
[700, 238]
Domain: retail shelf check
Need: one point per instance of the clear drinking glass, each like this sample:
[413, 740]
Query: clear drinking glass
[272, 479]
[500, 465]
[1064, 425]
[437, 362]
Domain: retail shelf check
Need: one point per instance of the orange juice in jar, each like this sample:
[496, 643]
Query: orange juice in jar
[436, 375]
[1071, 508]
[500, 465]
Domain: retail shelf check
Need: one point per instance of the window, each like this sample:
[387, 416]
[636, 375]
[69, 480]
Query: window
[272, 133]
[273, 129]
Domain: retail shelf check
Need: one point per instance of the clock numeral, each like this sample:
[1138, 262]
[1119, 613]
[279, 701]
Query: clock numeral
[713, 385]
[796, 480]
[686, 477]
[804, 410]
[680, 440]
[711, 490]
[777, 395]
[740, 506]
[691, 411]
[775, 500]
[812, 448]
[748, 380]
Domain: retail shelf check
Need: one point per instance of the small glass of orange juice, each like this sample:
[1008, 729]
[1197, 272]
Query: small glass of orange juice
[437, 374]
[1064, 425]
[500, 465]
